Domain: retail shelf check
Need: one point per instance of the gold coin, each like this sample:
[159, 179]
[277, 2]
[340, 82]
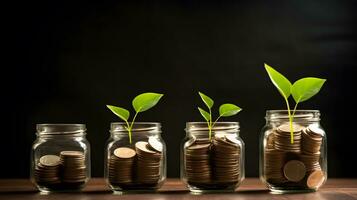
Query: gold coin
[294, 170]
[315, 179]
[50, 160]
[124, 152]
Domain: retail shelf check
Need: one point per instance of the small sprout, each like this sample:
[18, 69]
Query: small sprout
[302, 90]
[141, 103]
[225, 110]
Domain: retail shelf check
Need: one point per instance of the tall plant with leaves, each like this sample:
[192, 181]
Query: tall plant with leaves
[225, 110]
[140, 103]
[302, 90]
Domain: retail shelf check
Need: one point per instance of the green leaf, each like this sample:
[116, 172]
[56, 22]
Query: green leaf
[206, 99]
[280, 82]
[145, 101]
[120, 112]
[305, 88]
[204, 114]
[228, 109]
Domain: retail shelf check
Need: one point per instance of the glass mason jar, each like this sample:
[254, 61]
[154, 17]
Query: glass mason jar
[295, 164]
[212, 164]
[139, 165]
[60, 157]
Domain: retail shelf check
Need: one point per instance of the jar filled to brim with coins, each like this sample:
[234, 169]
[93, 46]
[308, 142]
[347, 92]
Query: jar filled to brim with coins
[293, 156]
[136, 164]
[60, 158]
[212, 164]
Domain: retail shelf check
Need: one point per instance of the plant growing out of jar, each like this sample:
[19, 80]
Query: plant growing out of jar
[141, 103]
[301, 90]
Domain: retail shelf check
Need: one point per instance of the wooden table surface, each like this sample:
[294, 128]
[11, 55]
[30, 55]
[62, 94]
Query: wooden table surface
[251, 188]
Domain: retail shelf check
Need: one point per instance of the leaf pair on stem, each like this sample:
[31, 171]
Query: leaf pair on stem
[225, 110]
[141, 103]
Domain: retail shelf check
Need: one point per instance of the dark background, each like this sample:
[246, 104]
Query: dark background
[68, 60]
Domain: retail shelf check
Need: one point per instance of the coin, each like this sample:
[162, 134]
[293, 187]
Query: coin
[315, 179]
[155, 144]
[124, 152]
[50, 160]
[232, 138]
[142, 147]
[294, 170]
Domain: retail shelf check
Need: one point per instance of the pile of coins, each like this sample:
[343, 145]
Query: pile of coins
[47, 171]
[226, 158]
[197, 163]
[73, 167]
[148, 163]
[139, 168]
[296, 164]
[282, 139]
[66, 171]
[214, 163]
[121, 164]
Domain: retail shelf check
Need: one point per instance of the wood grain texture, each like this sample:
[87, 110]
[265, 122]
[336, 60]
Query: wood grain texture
[251, 188]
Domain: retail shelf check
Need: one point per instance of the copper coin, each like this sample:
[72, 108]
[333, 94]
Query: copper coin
[315, 179]
[294, 170]
[124, 152]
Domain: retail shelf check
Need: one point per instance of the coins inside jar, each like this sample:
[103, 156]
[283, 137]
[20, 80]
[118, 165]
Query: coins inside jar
[213, 163]
[66, 171]
[293, 163]
[136, 167]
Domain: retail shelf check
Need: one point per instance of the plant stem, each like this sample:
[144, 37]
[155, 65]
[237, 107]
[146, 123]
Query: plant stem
[216, 121]
[290, 121]
[131, 125]
[210, 124]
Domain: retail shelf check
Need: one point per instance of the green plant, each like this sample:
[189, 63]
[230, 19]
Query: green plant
[302, 90]
[225, 110]
[141, 103]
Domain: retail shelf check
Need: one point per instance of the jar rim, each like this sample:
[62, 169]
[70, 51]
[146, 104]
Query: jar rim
[311, 115]
[219, 126]
[116, 127]
[60, 129]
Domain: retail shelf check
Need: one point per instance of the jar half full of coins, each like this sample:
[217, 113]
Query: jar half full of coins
[136, 165]
[293, 156]
[60, 158]
[212, 164]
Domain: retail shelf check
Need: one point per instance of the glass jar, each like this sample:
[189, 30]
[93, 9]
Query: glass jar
[293, 164]
[139, 165]
[60, 157]
[212, 164]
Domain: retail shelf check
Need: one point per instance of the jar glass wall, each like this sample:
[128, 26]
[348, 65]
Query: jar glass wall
[212, 164]
[60, 157]
[293, 164]
[139, 164]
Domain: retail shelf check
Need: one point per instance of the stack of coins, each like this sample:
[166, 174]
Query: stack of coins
[148, 162]
[311, 139]
[73, 167]
[226, 158]
[282, 138]
[121, 165]
[197, 162]
[47, 170]
[311, 161]
[274, 162]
